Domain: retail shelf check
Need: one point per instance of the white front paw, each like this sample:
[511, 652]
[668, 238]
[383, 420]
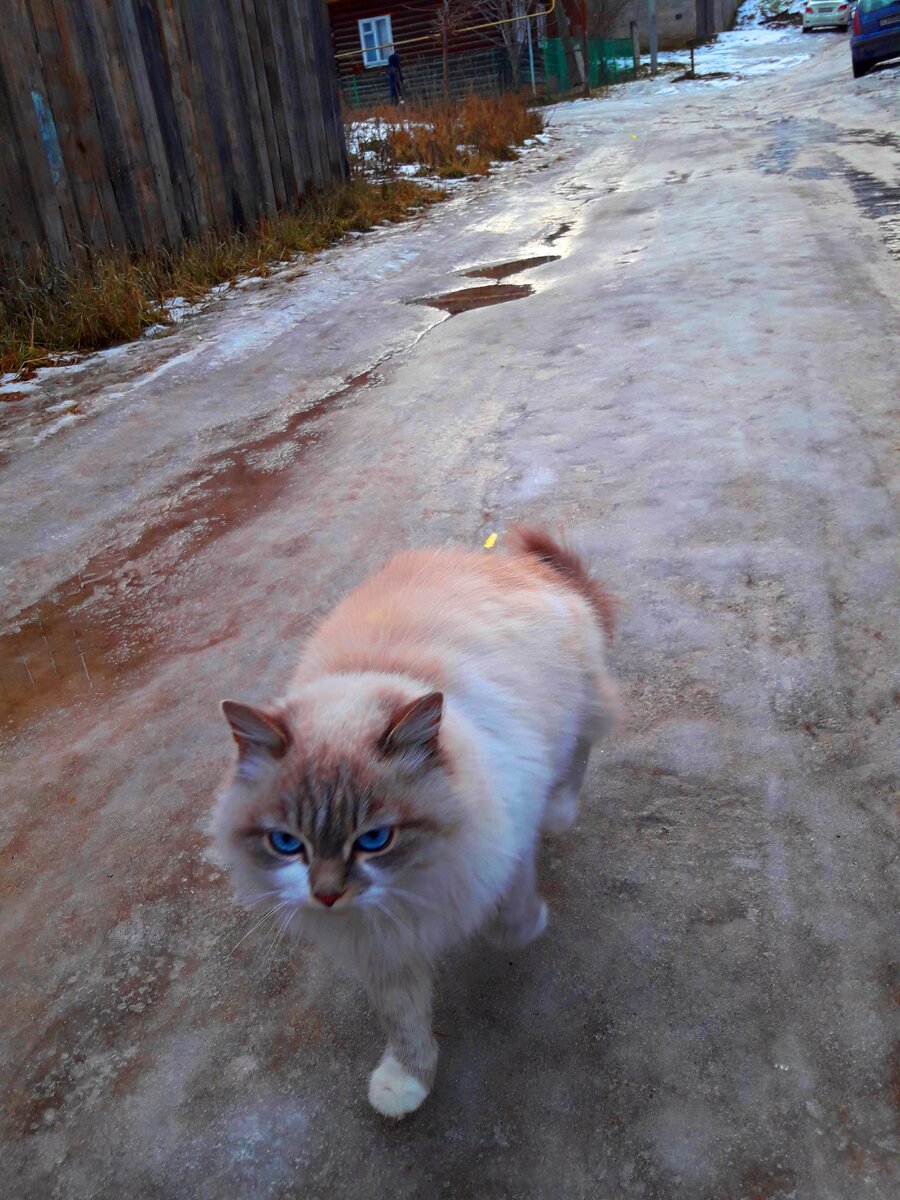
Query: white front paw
[393, 1091]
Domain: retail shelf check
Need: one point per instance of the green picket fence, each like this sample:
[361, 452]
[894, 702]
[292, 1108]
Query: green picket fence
[611, 60]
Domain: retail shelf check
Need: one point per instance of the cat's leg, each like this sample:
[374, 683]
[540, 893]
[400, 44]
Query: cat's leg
[403, 1078]
[522, 914]
[562, 804]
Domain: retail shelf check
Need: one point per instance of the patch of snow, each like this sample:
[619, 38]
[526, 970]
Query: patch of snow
[754, 12]
[177, 308]
[68, 418]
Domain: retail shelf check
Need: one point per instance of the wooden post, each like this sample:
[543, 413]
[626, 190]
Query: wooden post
[445, 49]
[586, 89]
[565, 36]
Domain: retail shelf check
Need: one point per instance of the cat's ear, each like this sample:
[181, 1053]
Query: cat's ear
[412, 732]
[258, 734]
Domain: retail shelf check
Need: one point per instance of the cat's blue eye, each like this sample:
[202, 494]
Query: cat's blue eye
[374, 839]
[284, 843]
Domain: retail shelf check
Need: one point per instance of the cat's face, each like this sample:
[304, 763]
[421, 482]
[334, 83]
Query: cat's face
[331, 818]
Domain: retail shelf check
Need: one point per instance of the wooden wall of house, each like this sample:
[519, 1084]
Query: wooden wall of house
[478, 60]
[412, 26]
[140, 123]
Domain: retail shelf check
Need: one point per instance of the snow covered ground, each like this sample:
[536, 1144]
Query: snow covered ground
[699, 388]
[755, 12]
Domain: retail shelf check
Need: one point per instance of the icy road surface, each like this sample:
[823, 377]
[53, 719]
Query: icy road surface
[696, 378]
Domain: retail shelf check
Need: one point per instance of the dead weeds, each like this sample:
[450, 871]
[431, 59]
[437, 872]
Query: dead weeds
[116, 296]
[450, 141]
[45, 312]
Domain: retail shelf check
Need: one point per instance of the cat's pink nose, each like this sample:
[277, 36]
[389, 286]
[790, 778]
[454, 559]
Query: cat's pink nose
[327, 898]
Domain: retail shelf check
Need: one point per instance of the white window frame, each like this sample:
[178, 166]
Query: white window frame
[368, 27]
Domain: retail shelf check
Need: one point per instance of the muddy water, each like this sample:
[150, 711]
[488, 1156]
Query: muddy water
[476, 297]
[82, 638]
[505, 269]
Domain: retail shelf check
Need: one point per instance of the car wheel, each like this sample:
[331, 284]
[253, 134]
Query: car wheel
[806, 29]
[859, 69]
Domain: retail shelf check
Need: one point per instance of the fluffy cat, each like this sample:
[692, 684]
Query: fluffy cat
[390, 805]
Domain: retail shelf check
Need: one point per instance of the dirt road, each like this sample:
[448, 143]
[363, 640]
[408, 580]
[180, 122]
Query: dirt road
[699, 386]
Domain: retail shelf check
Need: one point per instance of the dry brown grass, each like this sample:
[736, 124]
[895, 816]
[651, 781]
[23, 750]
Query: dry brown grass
[455, 140]
[45, 313]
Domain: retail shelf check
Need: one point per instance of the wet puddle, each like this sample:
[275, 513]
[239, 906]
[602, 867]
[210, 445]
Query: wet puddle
[79, 639]
[505, 269]
[689, 77]
[476, 297]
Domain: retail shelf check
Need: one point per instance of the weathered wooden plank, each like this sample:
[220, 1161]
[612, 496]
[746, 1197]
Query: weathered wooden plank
[38, 147]
[88, 215]
[77, 206]
[258, 147]
[115, 147]
[131, 120]
[91, 165]
[136, 55]
[290, 165]
[193, 115]
[328, 90]
[208, 119]
[287, 68]
[134, 123]
[209, 85]
[265, 103]
[20, 227]
[163, 80]
[235, 109]
[314, 116]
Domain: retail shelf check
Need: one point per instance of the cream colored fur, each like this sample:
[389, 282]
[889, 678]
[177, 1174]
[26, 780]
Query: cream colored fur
[512, 648]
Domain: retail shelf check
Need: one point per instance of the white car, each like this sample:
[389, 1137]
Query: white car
[819, 13]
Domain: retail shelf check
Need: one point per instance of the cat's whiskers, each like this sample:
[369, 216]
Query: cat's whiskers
[267, 915]
[253, 900]
[281, 927]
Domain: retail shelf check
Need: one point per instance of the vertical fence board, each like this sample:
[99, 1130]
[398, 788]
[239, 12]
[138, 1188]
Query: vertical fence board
[165, 88]
[97, 190]
[290, 165]
[107, 104]
[135, 57]
[288, 70]
[265, 103]
[190, 119]
[136, 123]
[93, 230]
[20, 225]
[21, 67]
[265, 200]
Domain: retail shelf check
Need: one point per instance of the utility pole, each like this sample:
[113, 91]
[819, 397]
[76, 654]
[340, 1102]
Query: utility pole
[651, 31]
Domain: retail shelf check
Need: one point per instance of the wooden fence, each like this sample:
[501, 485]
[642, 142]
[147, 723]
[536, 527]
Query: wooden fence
[139, 123]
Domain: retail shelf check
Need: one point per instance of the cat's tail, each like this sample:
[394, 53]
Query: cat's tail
[537, 543]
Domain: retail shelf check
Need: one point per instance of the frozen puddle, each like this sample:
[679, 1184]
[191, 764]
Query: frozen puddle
[476, 297]
[505, 269]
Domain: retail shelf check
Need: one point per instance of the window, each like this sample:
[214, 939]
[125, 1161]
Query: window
[376, 40]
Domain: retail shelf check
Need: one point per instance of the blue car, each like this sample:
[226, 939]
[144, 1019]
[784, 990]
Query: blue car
[876, 34]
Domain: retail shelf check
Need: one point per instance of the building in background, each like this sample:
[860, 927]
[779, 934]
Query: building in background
[458, 46]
